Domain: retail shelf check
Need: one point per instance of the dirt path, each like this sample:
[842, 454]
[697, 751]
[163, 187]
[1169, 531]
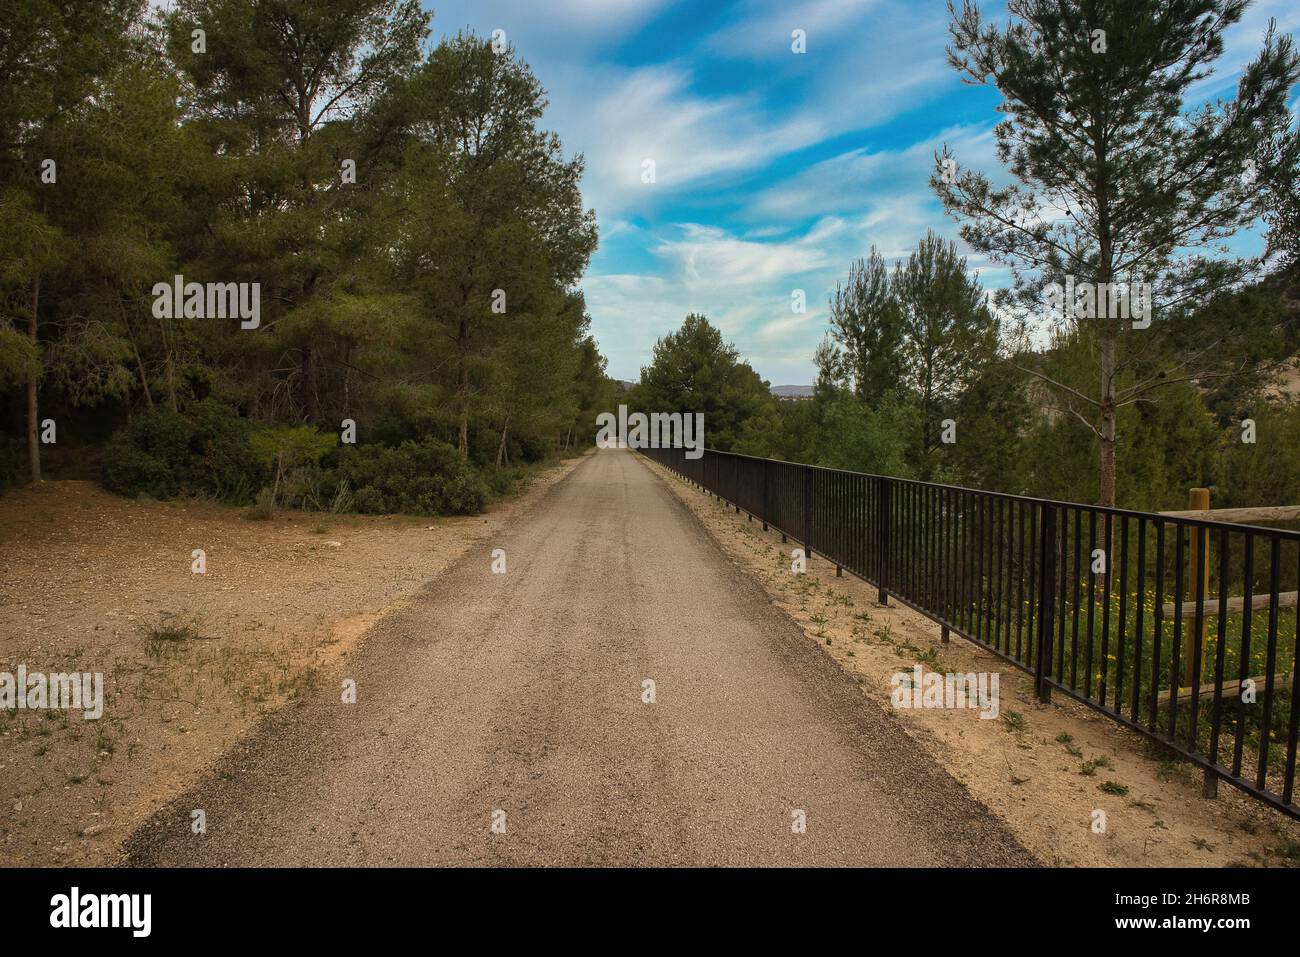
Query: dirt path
[516, 699]
[88, 578]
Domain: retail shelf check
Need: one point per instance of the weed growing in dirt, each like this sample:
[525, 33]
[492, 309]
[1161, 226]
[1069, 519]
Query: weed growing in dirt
[263, 508]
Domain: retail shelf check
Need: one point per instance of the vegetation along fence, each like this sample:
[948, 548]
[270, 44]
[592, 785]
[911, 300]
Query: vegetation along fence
[1098, 603]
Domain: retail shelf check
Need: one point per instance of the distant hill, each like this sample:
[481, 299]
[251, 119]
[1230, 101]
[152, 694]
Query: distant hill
[792, 392]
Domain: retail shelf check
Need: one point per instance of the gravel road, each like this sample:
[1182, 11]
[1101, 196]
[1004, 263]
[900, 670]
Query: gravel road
[514, 702]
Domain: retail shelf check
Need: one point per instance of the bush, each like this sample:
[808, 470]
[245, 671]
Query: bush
[263, 508]
[151, 455]
[419, 478]
[211, 450]
[224, 463]
[204, 451]
[503, 481]
[308, 487]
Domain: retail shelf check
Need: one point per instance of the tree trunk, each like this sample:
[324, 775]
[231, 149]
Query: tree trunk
[1109, 332]
[279, 474]
[462, 389]
[501, 449]
[1106, 490]
[33, 425]
[139, 361]
[144, 379]
[170, 365]
[310, 397]
[347, 381]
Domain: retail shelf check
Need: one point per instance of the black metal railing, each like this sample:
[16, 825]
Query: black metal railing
[1099, 603]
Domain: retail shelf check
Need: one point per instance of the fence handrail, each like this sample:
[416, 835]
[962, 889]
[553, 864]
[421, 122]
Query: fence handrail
[1183, 518]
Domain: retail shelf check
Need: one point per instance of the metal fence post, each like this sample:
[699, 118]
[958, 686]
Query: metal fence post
[807, 514]
[1046, 605]
[883, 558]
[767, 508]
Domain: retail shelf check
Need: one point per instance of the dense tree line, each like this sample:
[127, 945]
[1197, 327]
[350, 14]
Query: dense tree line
[1007, 433]
[415, 236]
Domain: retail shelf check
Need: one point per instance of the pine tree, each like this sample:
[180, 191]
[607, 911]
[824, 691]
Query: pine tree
[867, 325]
[1119, 182]
[948, 333]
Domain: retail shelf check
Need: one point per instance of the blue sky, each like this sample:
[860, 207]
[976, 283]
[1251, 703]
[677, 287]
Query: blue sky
[774, 170]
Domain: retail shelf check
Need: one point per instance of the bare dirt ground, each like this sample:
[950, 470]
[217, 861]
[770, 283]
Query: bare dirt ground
[1044, 770]
[620, 695]
[90, 582]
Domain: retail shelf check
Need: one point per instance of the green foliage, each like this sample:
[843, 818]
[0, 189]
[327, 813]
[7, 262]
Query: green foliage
[18, 358]
[205, 451]
[224, 462]
[225, 166]
[694, 370]
[263, 508]
[419, 478]
[1267, 471]
[948, 335]
[287, 446]
[992, 415]
[835, 430]
[867, 324]
[210, 450]
[150, 456]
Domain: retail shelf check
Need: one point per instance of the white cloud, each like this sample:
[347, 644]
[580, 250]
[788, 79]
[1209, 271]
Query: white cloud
[742, 279]
[539, 30]
[765, 32]
[1242, 43]
[866, 179]
[651, 113]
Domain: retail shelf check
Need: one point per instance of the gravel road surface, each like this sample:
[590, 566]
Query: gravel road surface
[514, 702]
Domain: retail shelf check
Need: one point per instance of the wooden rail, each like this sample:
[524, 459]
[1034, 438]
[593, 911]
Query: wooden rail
[1230, 689]
[1270, 513]
[1285, 599]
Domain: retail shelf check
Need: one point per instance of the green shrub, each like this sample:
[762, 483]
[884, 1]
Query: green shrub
[308, 487]
[287, 449]
[418, 478]
[342, 499]
[150, 455]
[205, 451]
[503, 481]
[224, 463]
[263, 508]
[211, 450]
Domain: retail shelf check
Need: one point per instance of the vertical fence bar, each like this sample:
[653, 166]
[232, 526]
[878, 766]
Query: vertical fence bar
[1248, 587]
[882, 572]
[1046, 603]
[1288, 783]
[1123, 614]
[1210, 783]
[1270, 665]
